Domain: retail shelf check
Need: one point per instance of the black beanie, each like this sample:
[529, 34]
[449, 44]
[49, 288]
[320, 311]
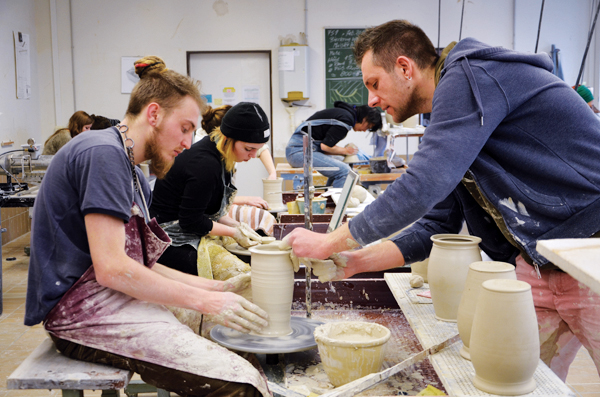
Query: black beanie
[246, 122]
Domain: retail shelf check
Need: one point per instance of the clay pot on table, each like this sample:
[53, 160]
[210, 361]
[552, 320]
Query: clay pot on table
[449, 262]
[272, 280]
[477, 274]
[505, 345]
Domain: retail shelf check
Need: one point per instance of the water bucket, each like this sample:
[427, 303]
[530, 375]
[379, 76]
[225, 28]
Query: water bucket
[351, 349]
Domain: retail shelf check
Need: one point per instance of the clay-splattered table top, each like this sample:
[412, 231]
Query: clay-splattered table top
[303, 371]
[454, 371]
[578, 257]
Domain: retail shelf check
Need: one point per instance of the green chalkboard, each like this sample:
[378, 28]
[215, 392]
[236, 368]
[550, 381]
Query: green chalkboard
[343, 78]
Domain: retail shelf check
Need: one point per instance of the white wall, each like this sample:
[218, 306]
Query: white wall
[103, 31]
[566, 25]
[19, 118]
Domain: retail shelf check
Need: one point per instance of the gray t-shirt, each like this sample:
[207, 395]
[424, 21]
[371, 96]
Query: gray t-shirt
[90, 174]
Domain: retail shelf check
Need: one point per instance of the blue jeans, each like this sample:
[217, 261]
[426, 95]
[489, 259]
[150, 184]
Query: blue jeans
[295, 157]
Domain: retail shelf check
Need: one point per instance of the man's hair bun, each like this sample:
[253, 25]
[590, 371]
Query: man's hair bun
[148, 65]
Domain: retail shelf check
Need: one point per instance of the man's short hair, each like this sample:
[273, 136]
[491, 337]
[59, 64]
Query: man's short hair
[393, 39]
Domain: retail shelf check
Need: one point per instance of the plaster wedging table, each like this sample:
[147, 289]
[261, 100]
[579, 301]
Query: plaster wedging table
[454, 371]
[580, 258]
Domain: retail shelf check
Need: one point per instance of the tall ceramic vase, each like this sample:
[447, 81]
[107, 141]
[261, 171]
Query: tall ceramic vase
[505, 345]
[272, 193]
[477, 274]
[449, 262]
[273, 287]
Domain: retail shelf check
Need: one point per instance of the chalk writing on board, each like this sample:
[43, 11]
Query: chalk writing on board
[343, 77]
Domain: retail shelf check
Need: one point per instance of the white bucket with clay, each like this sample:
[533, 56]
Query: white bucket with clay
[351, 349]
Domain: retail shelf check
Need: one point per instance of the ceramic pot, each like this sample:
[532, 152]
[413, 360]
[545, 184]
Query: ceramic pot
[272, 280]
[477, 274]
[505, 344]
[420, 269]
[449, 262]
[272, 193]
[351, 349]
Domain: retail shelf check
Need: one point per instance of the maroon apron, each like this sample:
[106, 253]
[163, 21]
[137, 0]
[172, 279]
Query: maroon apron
[99, 317]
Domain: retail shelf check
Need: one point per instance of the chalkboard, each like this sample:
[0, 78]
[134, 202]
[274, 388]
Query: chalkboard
[343, 78]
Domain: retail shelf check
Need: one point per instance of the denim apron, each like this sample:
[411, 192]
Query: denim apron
[295, 143]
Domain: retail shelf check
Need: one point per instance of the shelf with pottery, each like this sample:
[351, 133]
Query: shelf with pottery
[454, 371]
[580, 258]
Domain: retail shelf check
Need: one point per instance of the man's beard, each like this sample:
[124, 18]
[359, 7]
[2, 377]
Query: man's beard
[412, 107]
[159, 165]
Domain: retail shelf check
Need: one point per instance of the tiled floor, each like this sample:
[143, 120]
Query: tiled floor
[17, 340]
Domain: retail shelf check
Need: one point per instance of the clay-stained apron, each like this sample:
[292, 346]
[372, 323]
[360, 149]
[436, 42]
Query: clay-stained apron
[105, 319]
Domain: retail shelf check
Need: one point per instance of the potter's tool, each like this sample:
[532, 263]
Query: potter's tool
[308, 196]
[299, 340]
[355, 387]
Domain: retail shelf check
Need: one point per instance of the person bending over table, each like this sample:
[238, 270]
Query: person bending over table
[94, 279]
[193, 200]
[248, 209]
[329, 126]
[79, 122]
[495, 156]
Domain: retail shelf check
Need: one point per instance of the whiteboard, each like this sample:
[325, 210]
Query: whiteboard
[229, 77]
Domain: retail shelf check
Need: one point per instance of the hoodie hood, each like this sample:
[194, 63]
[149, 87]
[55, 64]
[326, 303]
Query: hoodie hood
[346, 106]
[470, 49]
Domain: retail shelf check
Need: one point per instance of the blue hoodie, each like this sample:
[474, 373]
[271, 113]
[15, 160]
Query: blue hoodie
[527, 140]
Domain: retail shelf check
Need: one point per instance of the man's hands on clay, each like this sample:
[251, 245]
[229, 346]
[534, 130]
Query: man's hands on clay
[245, 236]
[307, 244]
[237, 284]
[235, 312]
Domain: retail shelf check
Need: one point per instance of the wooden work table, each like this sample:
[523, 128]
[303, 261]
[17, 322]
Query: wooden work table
[454, 371]
[580, 258]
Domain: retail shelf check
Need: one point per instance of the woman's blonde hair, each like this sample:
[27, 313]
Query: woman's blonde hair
[225, 146]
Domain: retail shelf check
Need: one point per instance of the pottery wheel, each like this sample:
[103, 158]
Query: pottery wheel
[299, 340]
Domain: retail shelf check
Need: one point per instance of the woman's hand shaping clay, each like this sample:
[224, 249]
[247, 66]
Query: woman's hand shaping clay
[245, 236]
[233, 311]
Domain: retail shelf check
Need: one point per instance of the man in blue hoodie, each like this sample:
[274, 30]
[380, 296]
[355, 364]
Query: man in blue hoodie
[511, 150]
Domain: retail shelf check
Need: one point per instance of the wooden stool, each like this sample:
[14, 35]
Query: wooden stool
[46, 368]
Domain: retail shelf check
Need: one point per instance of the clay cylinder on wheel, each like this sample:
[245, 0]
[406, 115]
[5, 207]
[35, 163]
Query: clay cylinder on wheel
[272, 279]
[272, 193]
[449, 262]
[477, 274]
[505, 344]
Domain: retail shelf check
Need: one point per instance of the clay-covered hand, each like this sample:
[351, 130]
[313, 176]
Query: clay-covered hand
[331, 269]
[284, 245]
[233, 311]
[237, 283]
[245, 236]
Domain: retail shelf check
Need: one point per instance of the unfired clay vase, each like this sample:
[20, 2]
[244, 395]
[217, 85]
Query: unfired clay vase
[351, 349]
[420, 269]
[449, 262]
[505, 345]
[478, 273]
[272, 280]
[272, 193]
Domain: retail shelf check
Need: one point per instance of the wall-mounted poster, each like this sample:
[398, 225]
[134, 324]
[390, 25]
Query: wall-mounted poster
[128, 77]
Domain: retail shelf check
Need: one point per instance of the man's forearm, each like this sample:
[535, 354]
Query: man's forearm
[374, 258]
